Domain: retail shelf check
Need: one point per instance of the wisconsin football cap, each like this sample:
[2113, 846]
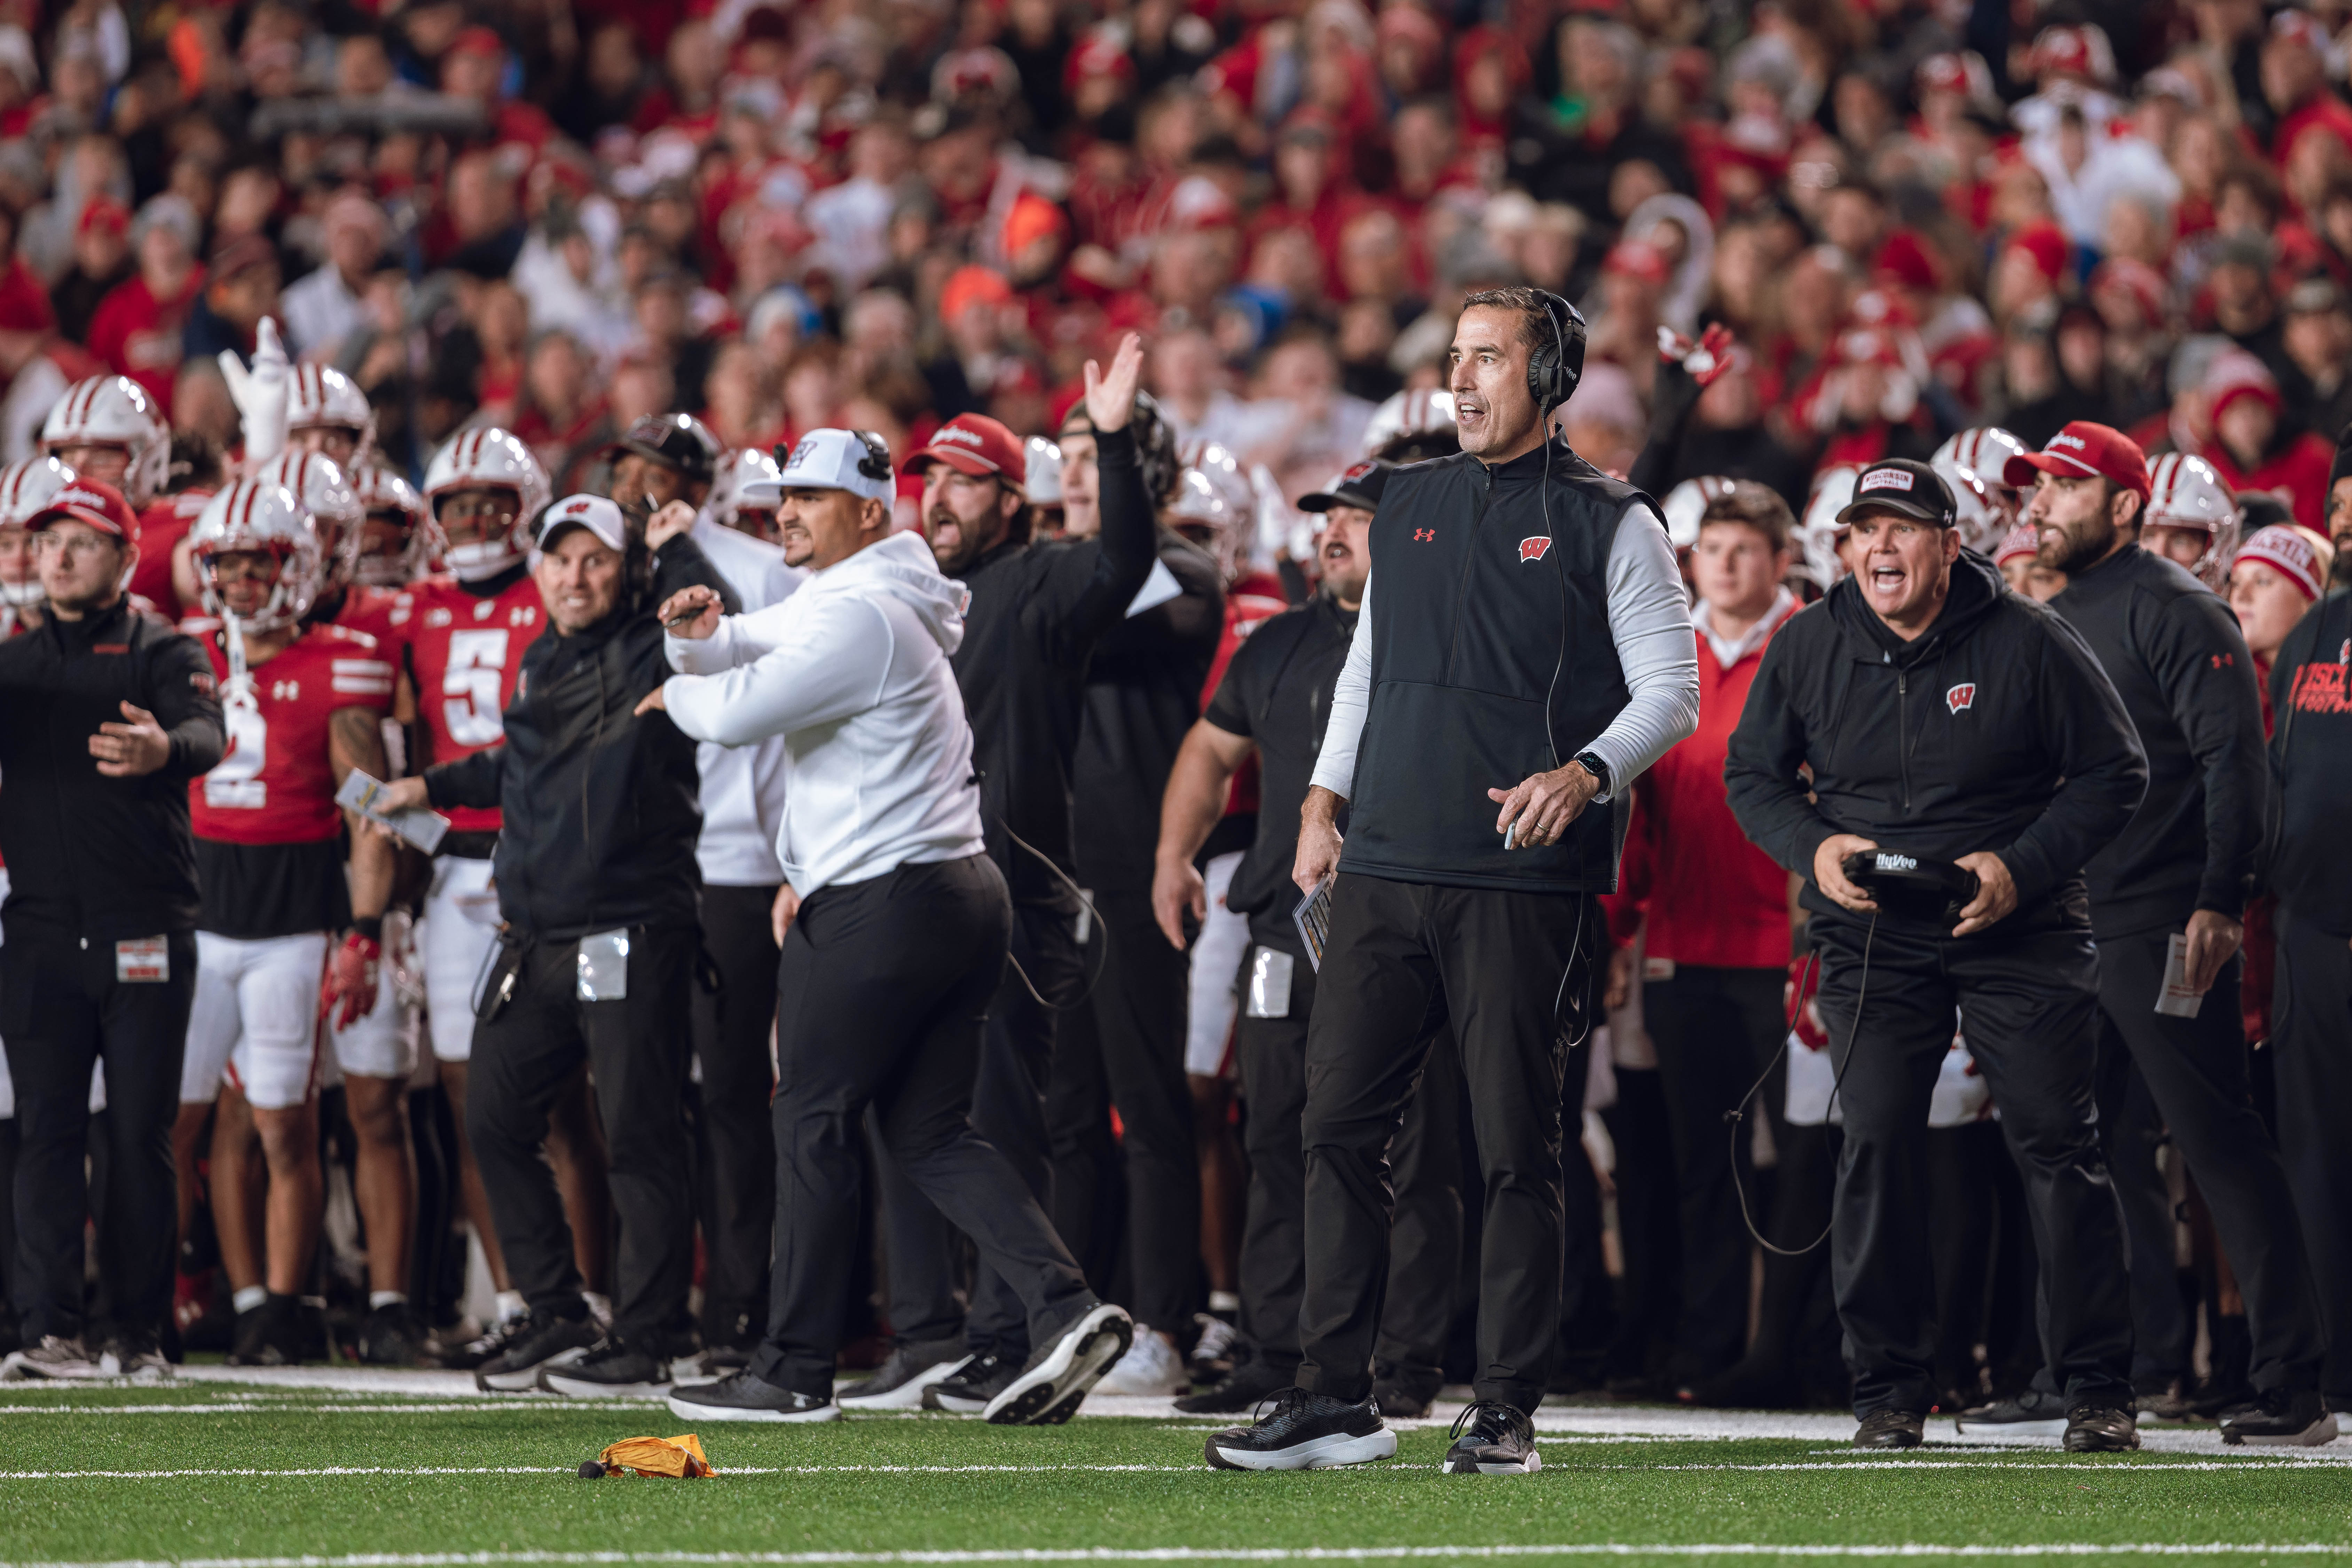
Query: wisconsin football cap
[2080, 448]
[858, 461]
[1360, 486]
[598, 514]
[1904, 487]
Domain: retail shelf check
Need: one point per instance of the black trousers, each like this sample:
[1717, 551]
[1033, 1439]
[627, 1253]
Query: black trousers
[2312, 1038]
[61, 1009]
[2196, 1073]
[2030, 999]
[1402, 961]
[1715, 1029]
[884, 988]
[635, 1048]
[737, 1147]
[2162, 1330]
[1425, 1236]
[926, 1253]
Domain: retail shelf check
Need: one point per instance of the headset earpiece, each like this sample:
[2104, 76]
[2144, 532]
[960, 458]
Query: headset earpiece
[1550, 378]
[875, 464]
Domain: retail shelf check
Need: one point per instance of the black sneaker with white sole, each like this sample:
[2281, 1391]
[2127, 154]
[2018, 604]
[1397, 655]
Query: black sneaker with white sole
[1251, 1384]
[611, 1368]
[1048, 1391]
[899, 1381]
[531, 1343]
[2030, 1415]
[2101, 1429]
[743, 1396]
[1304, 1431]
[2281, 1419]
[968, 1390]
[1491, 1438]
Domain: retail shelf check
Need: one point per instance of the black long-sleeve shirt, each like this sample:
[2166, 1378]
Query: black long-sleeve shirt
[1996, 729]
[91, 857]
[1037, 610]
[2311, 749]
[2179, 663]
[602, 808]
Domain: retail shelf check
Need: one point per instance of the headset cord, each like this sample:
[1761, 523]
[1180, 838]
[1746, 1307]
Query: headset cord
[1734, 1116]
[1102, 957]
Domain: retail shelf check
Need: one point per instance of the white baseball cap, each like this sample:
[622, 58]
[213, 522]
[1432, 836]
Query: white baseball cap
[858, 461]
[597, 514]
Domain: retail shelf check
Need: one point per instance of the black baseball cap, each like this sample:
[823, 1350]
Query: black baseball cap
[677, 441]
[1359, 487]
[1904, 486]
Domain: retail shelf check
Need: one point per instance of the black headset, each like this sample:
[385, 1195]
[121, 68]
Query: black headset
[875, 464]
[1553, 373]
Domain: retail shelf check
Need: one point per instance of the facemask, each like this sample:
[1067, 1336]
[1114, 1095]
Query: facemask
[474, 562]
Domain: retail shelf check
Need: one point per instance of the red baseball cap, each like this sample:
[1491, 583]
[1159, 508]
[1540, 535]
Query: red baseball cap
[2082, 447]
[974, 443]
[95, 502]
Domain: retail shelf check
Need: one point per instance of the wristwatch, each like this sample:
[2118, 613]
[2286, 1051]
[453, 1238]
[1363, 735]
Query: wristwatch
[1592, 764]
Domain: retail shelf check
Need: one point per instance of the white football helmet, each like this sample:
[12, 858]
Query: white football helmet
[114, 411]
[1983, 450]
[1405, 413]
[1213, 495]
[384, 494]
[488, 458]
[1686, 507]
[1983, 518]
[2190, 493]
[752, 465]
[1041, 478]
[323, 398]
[25, 488]
[262, 515]
[1820, 533]
[334, 506]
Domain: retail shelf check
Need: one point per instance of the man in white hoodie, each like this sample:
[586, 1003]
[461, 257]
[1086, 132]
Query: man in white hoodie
[894, 931]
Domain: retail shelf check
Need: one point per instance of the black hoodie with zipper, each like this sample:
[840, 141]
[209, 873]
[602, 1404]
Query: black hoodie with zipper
[1995, 729]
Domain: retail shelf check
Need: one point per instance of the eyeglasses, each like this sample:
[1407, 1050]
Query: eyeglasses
[72, 546]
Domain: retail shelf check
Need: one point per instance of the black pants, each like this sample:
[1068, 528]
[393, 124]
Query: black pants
[1402, 961]
[1008, 1108]
[1425, 1238]
[2312, 1038]
[2162, 1330]
[61, 1009]
[2196, 1073]
[884, 989]
[737, 1194]
[635, 1048]
[2029, 1000]
[1715, 1029]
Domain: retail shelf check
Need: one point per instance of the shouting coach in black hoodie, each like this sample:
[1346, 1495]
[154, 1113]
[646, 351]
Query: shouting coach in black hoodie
[1946, 719]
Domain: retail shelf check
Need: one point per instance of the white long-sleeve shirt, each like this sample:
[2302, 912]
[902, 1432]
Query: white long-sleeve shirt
[1649, 620]
[743, 786]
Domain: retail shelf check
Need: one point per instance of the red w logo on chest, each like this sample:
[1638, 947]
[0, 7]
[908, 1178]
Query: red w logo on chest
[1533, 549]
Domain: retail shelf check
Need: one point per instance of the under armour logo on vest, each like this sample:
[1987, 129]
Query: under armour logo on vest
[1424, 535]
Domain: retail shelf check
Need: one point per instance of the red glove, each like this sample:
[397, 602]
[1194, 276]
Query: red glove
[350, 980]
[1705, 359]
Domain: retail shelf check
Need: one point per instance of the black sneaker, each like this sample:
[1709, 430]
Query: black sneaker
[968, 1389]
[1048, 1391]
[136, 1357]
[1304, 1432]
[2281, 1419]
[744, 1397]
[611, 1368]
[1251, 1383]
[1491, 1438]
[270, 1334]
[2101, 1429]
[2030, 1415]
[1891, 1429]
[1219, 1348]
[2167, 1403]
[899, 1381]
[465, 1355]
[531, 1343]
[386, 1337]
[1405, 1394]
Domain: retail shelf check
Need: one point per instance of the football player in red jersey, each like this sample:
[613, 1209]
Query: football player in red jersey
[108, 428]
[327, 413]
[465, 648]
[26, 489]
[303, 704]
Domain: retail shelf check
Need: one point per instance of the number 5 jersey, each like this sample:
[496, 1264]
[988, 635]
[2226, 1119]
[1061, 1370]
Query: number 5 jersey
[465, 652]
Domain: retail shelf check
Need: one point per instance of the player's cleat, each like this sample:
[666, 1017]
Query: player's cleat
[387, 1337]
[2281, 1419]
[742, 1397]
[1304, 1432]
[1151, 1366]
[1493, 1439]
[1250, 1383]
[1217, 1351]
[270, 1334]
[1049, 1389]
[899, 1381]
[537, 1339]
[611, 1368]
[2101, 1429]
[1891, 1429]
[54, 1359]
[968, 1390]
[2028, 1415]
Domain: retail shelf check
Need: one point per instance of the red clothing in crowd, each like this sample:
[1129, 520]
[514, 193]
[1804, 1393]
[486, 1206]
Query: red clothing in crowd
[1711, 897]
[1250, 602]
[138, 335]
[2298, 471]
[24, 303]
[161, 528]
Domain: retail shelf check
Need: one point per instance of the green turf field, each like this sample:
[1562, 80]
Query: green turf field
[349, 1479]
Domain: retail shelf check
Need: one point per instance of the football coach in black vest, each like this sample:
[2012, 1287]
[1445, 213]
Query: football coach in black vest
[1523, 652]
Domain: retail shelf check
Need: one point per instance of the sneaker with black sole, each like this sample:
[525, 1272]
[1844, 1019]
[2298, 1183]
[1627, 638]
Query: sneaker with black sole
[2281, 1419]
[270, 1334]
[1891, 1429]
[1491, 1438]
[1048, 1391]
[2101, 1429]
[898, 1383]
[1216, 1351]
[531, 1343]
[968, 1389]
[387, 1337]
[611, 1368]
[2029, 1415]
[54, 1360]
[742, 1397]
[1249, 1385]
[1304, 1431]
[464, 1354]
